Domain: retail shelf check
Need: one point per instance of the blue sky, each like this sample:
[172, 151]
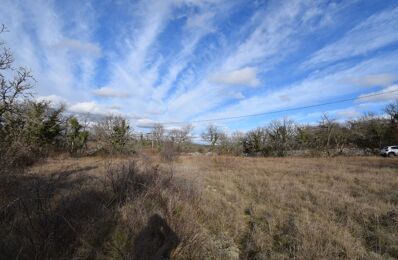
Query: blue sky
[186, 60]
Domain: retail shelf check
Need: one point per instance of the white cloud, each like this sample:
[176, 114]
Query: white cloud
[53, 99]
[244, 77]
[268, 39]
[34, 46]
[348, 113]
[115, 107]
[109, 92]
[145, 123]
[269, 34]
[201, 21]
[149, 76]
[91, 107]
[380, 96]
[374, 80]
[320, 86]
[273, 36]
[86, 107]
[79, 47]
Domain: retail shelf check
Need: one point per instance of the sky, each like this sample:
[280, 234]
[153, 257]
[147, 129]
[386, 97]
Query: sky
[162, 61]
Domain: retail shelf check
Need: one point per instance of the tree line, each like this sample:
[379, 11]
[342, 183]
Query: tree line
[366, 134]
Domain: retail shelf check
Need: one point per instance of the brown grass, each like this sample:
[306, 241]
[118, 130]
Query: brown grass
[306, 208]
[214, 207]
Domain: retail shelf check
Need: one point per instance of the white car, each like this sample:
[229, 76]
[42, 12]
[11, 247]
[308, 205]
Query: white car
[389, 151]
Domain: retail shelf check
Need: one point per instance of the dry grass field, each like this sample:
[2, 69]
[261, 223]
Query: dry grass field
[197, 207]
[305, 208]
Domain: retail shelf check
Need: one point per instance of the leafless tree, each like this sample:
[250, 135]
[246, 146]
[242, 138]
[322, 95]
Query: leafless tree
[327, 127]
[392, 111]
[113, 133]
[232, 143]
[212, 135]
[14, 88]
[158, 134]
[6, 57]
[180, 136]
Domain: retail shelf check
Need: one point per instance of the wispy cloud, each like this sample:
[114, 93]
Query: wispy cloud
[37, 35]
[81, 48]
[241, 77]
[373, 80]
[380, 96]
[377, 31]
[349, 113]
[92, 108]
[317, 87]
[110, 92]
[182, 60]
[145, 123]
[54, 100]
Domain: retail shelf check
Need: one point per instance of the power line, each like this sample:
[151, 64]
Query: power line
[280, 111]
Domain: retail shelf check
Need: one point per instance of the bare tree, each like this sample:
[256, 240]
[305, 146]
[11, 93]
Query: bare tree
[6, 57]
[232, 143]
[392, 111]
[113, 133]
[14, 88]
[158, 134]
[182, 135]
[341, 137]
[211, 135]
[327, 126]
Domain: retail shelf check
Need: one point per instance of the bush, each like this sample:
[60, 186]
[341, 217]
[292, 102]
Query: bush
[113, 134]
[168, 152]
[76, 136]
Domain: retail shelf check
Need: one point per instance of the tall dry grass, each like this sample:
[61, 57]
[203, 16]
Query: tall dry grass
[303, 208]
[99, 209]
[203, 207]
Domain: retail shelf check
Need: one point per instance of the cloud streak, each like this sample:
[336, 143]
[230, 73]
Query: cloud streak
[187, 60]
[110, 92]
[82, 48]
[377, 31]
[241, 77]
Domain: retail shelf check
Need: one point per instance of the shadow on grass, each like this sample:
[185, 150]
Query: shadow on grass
[45, 216]
[71, 214]
[156, 241]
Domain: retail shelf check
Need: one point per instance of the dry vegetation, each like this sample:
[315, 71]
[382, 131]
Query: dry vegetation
[202, 207]
[306, 208]
[113, 193]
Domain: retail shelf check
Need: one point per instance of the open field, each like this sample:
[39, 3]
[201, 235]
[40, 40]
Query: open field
[300, 207]
[203, 207]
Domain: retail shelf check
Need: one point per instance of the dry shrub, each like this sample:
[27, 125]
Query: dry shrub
[127, 180]
[169, 152]
[153, 199]
[130, 212]
[16, 157]
[46, 216]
